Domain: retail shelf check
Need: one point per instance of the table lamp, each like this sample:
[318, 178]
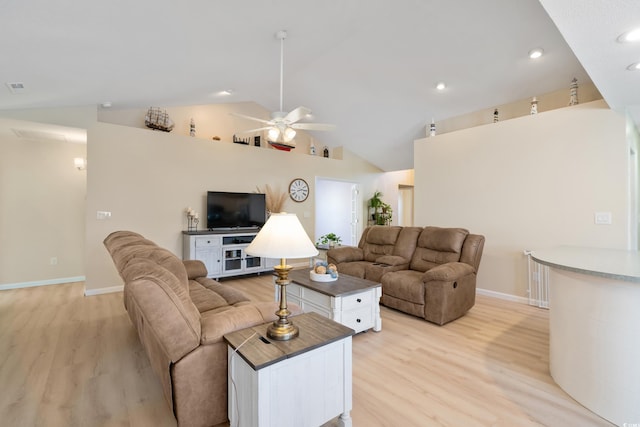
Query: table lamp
[282, 237]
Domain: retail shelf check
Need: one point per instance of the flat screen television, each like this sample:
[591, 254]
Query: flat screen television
[235, 210]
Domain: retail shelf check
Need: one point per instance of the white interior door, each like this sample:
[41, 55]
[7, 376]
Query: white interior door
[338, 209]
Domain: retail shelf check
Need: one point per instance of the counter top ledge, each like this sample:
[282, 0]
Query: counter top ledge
[616, 264]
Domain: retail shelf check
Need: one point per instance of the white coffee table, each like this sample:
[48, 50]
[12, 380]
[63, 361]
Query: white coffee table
[352, 301]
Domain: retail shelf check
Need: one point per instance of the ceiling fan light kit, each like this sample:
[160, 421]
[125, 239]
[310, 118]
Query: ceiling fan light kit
[281, 129]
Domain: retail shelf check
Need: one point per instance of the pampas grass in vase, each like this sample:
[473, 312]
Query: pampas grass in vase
[274, 198]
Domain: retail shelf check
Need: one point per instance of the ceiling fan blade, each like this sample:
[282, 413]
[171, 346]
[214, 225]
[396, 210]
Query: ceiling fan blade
[255, 130]
[252, 118]
[313, 126]
[297, 114]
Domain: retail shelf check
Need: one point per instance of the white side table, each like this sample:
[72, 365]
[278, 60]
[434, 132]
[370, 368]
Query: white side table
[303, 382]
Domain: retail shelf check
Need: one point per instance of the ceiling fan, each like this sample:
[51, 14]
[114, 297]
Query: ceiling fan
[281, 129]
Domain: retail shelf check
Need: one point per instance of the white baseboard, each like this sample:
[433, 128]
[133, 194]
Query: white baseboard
[42, 283]
[100, 291]
[500, 295]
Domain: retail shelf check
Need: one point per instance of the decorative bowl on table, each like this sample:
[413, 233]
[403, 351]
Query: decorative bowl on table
[321, 277]
[323, 272]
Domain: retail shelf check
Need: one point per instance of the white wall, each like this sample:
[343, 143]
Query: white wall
[527, 183]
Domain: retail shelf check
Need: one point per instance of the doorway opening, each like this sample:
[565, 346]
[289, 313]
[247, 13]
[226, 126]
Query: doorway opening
[338, 209]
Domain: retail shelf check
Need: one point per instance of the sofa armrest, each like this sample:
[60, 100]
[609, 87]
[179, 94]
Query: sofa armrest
[392, 260]
[448, 272]
[345, 254]
[215, 324]
[195, 268]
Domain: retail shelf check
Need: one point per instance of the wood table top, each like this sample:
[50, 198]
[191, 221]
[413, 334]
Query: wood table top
[259, 351]
[345, 284]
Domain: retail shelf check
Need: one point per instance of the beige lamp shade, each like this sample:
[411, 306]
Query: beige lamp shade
[282, 237]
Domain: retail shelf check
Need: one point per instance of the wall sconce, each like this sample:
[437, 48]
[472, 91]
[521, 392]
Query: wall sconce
[80, 163]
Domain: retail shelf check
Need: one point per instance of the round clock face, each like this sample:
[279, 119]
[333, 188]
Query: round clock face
[299, 190]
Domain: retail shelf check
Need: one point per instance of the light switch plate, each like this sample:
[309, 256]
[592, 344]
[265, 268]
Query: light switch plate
[601, 218]
[103, 215]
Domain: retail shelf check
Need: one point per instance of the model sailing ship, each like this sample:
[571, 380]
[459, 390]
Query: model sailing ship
[158, 119]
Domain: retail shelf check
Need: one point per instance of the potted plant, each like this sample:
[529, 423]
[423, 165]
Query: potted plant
[380, 212]
[329, 239]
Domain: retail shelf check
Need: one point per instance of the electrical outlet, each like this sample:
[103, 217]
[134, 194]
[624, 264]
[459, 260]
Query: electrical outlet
[53, 260]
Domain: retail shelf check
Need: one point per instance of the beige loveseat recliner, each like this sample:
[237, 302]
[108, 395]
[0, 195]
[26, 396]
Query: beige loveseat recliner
[181, 316]
[428, 272]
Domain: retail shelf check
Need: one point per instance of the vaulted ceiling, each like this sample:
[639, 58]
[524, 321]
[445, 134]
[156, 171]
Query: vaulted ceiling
[368, 66]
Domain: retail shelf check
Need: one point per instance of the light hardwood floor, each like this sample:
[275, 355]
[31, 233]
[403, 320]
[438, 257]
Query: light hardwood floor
[70, 360]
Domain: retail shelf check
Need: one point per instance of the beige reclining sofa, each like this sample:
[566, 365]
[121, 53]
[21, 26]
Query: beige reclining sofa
[428, 272]
[181, 316]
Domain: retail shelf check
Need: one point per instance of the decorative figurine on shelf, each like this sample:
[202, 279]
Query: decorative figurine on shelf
[193, 218]
[158, 119]
[573, 92]
[534, 106]
[432, 128]
[192, 127]
[325, 152]
[243, 141]
[312, 148]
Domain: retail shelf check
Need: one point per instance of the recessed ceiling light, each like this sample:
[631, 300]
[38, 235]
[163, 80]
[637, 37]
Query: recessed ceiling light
[630, 36]
[225, 92]
[536, 53]
[634, 67]
[441, 86]
[106, 104]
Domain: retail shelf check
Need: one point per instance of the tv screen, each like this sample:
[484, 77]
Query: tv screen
[235, 210]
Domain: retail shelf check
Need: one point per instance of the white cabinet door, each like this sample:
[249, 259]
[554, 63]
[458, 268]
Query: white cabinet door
[208, 251]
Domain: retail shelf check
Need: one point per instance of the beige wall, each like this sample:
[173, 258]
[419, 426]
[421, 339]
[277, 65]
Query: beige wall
[148, 178]
[527, 183]
[42, 200]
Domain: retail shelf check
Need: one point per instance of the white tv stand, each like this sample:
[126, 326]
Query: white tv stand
[223, 252]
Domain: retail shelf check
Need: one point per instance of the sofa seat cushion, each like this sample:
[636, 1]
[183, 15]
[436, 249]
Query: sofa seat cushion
[228, 293]
[406, 285]
[205, 299]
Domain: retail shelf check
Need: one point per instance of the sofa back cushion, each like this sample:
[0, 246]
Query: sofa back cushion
[438, 246]
[380, 241]
[138, 259]
[165, 305]
[126, 246]
[407, 241]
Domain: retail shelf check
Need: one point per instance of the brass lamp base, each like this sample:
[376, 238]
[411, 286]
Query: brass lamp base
[282, 329]
[282, 332]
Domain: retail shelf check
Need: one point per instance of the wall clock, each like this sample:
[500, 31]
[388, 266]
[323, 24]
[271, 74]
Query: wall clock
[299, 190]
